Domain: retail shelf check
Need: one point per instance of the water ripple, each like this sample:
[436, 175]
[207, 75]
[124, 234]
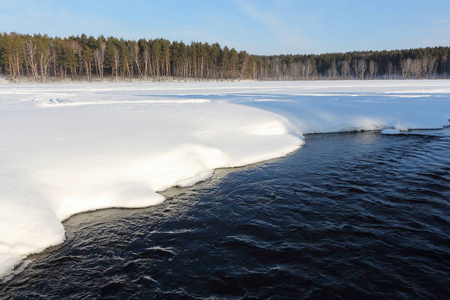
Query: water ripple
[349, 216]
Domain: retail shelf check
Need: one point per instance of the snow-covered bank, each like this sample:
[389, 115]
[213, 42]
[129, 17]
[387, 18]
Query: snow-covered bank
[66, 149]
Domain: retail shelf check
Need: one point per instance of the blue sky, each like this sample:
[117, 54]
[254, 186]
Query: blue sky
[258, 26]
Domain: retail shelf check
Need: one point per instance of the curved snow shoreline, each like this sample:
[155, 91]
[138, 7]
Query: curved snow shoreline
[66, 149]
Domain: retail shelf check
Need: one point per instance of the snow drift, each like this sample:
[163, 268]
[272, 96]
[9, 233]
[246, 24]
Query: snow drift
[66, 149]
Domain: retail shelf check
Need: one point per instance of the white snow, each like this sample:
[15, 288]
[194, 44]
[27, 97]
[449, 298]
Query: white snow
[70, 148]
[390, 131]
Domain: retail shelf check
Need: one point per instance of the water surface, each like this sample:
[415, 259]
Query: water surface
[350, 215]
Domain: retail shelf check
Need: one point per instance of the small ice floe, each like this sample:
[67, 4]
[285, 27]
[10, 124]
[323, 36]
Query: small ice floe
[391, 131]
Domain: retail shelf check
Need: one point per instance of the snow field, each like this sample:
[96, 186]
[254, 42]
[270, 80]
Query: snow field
[70, 148]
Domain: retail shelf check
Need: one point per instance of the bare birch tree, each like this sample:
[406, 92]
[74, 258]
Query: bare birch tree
[134, 51]
[30, 51]
[359, 66]
[99, 59]
[44, 51]
[373, 66]
[116, 62]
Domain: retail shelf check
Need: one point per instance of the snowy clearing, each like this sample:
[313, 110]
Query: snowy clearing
[70, 148]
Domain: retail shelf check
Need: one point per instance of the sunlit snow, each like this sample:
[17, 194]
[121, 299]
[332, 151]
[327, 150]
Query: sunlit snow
[69, 148]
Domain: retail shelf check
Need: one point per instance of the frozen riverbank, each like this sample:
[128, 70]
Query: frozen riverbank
[66, 149]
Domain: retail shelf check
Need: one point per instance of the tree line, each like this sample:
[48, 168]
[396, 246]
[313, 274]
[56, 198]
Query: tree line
[41, 58]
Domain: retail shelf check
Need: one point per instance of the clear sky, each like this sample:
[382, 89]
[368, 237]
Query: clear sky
[258, 26]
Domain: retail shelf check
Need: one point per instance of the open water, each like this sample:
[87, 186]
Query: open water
[348, 216]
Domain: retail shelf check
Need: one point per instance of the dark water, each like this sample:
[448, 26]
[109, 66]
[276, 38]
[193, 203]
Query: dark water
[349, 216]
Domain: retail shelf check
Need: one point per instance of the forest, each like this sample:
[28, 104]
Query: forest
[40, 58]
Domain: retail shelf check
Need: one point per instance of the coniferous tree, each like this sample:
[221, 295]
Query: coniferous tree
[39, 57]
[12, 55]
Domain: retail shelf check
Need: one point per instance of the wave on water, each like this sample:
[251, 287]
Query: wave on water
[351, 215]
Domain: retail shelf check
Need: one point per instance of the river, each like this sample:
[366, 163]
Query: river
[348, 216]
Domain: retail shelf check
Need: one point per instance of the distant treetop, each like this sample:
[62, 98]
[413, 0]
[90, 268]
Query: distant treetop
[40, 58]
